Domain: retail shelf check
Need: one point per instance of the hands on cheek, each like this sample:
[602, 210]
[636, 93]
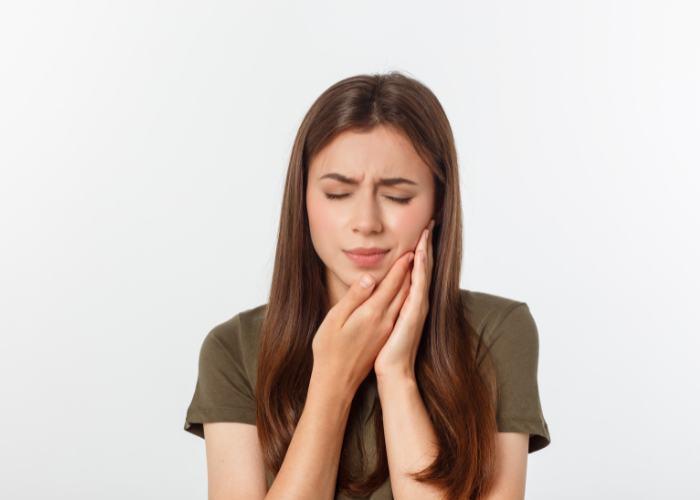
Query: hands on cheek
[398, 355]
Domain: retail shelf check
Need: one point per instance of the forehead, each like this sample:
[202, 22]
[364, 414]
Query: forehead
[381, 151]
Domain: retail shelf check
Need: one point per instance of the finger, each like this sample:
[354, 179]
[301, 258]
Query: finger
[355, 296]
[400, 298]
[430, 261]
[420, 274]
[427, 247]
[420, 286]
[390, 285]
[422, 249]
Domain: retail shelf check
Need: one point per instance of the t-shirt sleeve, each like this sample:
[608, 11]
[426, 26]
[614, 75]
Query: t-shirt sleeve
[514, 348]
[224, 392]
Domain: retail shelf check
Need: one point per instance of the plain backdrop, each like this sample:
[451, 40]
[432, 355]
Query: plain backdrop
[144, 147]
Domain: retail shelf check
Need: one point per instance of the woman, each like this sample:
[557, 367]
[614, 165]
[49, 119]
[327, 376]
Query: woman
[369, 372]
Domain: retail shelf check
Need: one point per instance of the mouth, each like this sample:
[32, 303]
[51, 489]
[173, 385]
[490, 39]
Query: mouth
[366, 257]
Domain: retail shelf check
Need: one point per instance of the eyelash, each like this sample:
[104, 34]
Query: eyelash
[403, 201]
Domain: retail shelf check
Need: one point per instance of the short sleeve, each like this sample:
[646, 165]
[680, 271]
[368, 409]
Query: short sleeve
[514, 348]
[224, 390]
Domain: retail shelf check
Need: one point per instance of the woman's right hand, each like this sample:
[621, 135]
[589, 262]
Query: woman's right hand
[357, 327]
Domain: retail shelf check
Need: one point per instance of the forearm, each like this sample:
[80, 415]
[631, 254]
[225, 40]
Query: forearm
[310, 467]
[410, 438]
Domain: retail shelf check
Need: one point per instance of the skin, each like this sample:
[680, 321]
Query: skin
[379, 326]
[368, 215]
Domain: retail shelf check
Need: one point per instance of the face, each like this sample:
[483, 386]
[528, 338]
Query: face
[367, 192]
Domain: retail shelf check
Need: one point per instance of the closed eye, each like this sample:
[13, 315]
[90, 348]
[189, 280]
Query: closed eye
[335, 196]
[403, 201]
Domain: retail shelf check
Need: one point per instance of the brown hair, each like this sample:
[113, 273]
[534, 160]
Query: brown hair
[458, 392]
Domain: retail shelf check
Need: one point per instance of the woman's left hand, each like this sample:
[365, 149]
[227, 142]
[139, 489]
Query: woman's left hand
[398, 355]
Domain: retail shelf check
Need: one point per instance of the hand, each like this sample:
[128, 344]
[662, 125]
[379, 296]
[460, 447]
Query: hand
[355, 329]
[398, 356]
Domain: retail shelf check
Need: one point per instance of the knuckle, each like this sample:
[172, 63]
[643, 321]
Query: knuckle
[386, 326]
[331, 319]
[373, 315]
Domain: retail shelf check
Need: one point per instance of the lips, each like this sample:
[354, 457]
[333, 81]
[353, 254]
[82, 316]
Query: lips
[366, 257]
[367, 251]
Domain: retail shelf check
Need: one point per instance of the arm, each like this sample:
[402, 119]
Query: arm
[235, 467]
[511, 466]
[235, 462]
[404, 414]
[310, 466]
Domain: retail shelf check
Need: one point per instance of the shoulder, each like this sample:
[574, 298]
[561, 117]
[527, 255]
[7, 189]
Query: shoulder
[236, 340]
[244, 327]
[228, 360]
[486, 311]
[509, 332]
[496, 318]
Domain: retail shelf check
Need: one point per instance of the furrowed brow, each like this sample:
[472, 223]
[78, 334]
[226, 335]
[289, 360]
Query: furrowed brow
[393, 181]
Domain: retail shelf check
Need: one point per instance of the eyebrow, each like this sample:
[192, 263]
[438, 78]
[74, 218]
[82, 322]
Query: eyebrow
[393, 181]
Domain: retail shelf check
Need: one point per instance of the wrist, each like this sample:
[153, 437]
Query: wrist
[396, 381]
[395, 374]
[330, 390]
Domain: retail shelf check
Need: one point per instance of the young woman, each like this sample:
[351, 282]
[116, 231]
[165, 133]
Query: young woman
[369, 373]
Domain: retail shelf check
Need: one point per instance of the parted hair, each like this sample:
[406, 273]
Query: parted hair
[453, 369]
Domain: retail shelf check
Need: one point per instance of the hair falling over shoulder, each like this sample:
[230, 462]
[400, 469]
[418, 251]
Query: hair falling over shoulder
[453, 370]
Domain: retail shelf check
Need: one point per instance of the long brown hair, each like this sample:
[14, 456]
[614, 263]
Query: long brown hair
[458, 393]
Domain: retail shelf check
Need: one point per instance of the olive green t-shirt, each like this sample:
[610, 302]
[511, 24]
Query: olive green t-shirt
[225, 390]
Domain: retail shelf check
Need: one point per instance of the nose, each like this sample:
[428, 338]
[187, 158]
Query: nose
[366, 218]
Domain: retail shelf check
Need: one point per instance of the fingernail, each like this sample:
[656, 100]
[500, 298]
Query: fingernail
[431, 225]
[425, 235]
[366, 281]
[422, 255]
[410, 257]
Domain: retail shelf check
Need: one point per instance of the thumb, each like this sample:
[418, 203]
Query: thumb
[356, 295]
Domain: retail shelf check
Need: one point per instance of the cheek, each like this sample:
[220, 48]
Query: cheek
[318, 218]
[409, 224]
[320, 221]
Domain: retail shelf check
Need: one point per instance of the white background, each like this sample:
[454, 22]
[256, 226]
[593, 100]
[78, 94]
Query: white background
[143, 148]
